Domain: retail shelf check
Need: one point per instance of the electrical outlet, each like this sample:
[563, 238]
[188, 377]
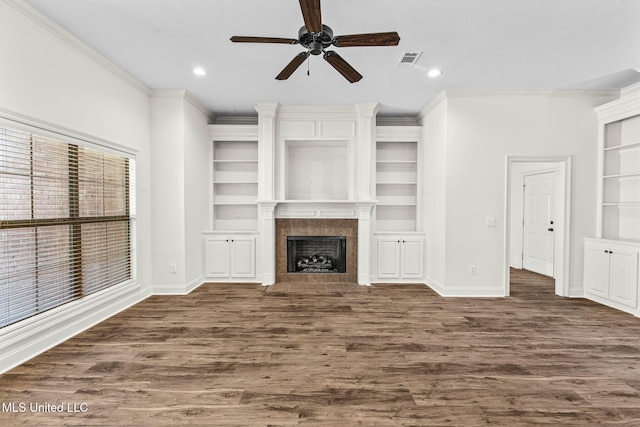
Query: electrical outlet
[173, 268]
[472, 269]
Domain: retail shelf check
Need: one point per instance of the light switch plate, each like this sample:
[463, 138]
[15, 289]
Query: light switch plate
[491, 222]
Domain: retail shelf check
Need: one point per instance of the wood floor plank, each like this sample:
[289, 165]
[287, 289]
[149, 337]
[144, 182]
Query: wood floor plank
[342, 355]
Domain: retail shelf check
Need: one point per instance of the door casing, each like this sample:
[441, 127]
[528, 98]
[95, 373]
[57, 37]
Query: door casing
[562, 253]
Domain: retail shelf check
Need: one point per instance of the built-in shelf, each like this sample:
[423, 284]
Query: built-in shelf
[396, 174]
[624, 175]
[235, 185]
[619, 194]
[623, 147]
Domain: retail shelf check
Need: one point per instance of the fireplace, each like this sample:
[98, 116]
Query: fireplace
[333, 239]
[316, 254]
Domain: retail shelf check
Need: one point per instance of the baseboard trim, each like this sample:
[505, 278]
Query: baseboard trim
[434, 285]
[463, 292]
[178, 289]
[26, 339]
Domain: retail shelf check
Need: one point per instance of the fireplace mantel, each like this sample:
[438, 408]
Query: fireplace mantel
[317, 209]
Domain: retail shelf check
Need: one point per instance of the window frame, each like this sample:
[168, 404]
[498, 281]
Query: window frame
[74, 220]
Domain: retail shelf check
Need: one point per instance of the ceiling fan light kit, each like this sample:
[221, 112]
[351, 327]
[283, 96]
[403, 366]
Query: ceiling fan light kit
[317, 38]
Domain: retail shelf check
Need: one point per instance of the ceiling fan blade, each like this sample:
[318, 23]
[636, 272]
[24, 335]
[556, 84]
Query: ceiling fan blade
[312, 15]
[373, 39]
[342, 66]
[292, 66]
[248, 39]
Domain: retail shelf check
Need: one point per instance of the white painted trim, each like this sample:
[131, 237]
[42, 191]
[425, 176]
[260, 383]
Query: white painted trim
[464, 291]
[626, 106]
[398, 133]
[464, 93]
[64, 35]
[44, 128]
[233, 132]
[183, 94]
[439, 98]
[178, 289]
[434, 285]
[562, 261]
[26, 339]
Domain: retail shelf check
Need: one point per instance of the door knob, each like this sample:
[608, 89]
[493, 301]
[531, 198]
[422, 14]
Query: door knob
[549, 229]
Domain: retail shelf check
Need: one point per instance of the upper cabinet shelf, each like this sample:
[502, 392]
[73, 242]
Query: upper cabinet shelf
[235, 185]
[397, 185]
[619, 168]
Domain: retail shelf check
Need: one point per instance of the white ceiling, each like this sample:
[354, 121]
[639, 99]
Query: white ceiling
[479, 44]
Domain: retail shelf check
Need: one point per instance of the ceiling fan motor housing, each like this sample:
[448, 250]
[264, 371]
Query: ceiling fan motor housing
[315, 42]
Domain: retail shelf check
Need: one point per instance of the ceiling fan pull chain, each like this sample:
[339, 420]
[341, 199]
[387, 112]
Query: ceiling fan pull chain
[308, 66]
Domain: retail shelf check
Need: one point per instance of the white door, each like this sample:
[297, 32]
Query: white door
[539, 216]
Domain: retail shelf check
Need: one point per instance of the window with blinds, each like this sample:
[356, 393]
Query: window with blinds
[66, 223]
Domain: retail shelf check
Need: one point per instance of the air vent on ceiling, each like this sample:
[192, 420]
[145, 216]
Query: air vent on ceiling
[409, 58]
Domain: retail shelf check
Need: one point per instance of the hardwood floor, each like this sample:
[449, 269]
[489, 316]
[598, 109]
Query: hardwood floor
[340, 355]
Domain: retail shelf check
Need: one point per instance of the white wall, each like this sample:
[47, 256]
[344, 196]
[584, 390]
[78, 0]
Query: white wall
[179, 172]
[435, 160]
[482, 129]
[57, 81]
[196, 179]
[167, 193]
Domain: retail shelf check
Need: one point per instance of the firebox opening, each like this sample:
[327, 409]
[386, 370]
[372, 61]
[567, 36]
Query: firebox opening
[316, 254]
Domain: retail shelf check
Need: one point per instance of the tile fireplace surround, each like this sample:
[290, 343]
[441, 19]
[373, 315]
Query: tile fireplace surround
[316, 227]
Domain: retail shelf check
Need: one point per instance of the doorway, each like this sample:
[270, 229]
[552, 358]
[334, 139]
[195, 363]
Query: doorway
[548, 250]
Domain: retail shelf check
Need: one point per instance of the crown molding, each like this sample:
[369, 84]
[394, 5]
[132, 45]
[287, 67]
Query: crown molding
[440, 97]
[181, 94]
[64, 35]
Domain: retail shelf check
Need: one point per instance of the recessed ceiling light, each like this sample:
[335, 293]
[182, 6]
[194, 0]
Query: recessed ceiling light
[199, 71]
[434, 73]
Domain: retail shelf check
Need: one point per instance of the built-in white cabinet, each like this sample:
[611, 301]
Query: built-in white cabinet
[230, 257]
[400, 258]
[611, 260]
[611, 273]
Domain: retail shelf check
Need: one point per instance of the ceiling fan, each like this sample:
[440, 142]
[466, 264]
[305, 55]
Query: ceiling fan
[316, 38]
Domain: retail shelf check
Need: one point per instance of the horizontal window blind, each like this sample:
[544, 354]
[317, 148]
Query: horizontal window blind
[66, 223]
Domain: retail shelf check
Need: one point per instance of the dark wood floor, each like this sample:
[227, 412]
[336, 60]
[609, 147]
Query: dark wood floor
[340, 355]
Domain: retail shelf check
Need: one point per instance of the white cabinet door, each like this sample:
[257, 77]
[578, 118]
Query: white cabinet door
[388, 258]
[596, 270]
[217, 257]
[243, 257]
[412, 264]
[623, 276]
